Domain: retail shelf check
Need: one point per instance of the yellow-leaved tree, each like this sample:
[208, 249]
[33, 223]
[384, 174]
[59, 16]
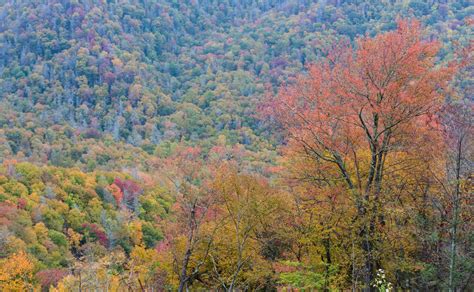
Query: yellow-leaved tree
[16, 273]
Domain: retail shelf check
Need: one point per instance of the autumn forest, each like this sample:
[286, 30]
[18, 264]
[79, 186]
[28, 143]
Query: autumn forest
[235, 145]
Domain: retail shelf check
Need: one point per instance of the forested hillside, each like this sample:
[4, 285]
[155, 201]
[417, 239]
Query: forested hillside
[236, 145]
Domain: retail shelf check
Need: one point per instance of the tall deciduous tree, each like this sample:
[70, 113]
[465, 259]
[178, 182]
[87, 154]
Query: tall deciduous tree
[454, 181]
[360, 114]
[247, 208]
[188, 244]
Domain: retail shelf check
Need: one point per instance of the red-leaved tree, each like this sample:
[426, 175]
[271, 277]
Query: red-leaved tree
[361, 116]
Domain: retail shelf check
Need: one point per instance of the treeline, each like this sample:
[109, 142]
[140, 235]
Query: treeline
[147, 72]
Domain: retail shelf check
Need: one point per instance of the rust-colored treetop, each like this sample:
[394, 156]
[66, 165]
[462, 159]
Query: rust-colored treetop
[364, 95]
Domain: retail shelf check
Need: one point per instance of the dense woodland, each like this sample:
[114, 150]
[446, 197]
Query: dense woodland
[158, 145]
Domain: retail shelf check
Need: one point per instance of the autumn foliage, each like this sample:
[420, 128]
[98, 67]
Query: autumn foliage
[359, 119]
[132, 156]
[16, 272]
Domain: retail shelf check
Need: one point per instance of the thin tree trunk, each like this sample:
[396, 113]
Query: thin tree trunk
[452, 264]
[327, 247]
[183, 277]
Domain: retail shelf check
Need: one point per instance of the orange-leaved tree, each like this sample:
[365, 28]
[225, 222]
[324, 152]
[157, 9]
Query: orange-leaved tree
[361, 115]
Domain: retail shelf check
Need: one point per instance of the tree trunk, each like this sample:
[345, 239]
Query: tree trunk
[327, 247]
[183, 277]
[454, 224]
